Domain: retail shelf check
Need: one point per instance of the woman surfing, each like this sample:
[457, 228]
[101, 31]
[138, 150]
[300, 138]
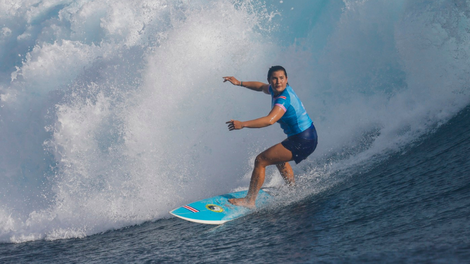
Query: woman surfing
[288, 110]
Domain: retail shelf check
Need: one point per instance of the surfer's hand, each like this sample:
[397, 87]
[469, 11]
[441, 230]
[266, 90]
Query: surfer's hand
[234, 125]
[233, 80]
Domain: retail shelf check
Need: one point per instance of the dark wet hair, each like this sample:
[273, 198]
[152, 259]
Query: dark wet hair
[275, 69]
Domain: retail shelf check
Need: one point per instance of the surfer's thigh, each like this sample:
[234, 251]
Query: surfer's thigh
[274, 155]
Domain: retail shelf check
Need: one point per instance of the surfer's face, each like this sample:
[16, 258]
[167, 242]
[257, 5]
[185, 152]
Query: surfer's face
[278, 81]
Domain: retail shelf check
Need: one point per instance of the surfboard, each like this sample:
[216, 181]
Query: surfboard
[217, 210]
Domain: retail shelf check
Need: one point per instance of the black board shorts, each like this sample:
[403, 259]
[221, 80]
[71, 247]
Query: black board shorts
[303, 144]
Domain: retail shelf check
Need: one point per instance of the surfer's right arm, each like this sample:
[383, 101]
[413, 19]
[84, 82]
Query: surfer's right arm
[255, 86]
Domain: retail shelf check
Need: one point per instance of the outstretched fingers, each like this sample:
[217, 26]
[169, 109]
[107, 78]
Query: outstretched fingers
[234, 124]
[231, 126]
[231, 79]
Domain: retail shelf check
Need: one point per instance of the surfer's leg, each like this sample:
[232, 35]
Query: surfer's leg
[286, 172]
[273, 155]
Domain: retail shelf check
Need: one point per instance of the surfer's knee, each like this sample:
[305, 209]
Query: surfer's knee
[261, 161]
[281, 166]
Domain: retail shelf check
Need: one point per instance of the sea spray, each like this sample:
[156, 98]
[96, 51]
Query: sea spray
[112, 113]
[129, 102]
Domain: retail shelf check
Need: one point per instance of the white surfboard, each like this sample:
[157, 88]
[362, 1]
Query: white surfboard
[217, 210]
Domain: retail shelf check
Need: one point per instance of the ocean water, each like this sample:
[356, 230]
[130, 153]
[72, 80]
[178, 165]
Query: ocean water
[112, 113]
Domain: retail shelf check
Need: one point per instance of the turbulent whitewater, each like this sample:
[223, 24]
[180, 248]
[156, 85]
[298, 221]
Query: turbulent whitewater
[113, 112]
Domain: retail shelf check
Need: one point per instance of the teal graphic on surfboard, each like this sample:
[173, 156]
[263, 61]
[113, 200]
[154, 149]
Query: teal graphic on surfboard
[217, 210]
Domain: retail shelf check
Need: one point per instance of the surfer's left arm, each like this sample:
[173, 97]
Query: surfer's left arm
[276, 113]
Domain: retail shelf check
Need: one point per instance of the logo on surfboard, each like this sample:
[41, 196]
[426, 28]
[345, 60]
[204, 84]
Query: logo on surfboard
[214, 208]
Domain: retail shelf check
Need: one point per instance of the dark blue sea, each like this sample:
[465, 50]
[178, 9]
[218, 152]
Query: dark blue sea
[112, 113]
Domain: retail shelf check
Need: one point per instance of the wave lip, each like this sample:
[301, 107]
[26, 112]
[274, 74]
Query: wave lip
[113, 114]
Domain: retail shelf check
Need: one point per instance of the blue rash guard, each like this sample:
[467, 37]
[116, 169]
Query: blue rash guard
[295, 120]
[302, 137]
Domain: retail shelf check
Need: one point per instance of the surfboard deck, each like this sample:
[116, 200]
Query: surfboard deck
[217, 210]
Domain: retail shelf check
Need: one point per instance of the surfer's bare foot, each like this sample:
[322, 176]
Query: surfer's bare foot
[242, 202]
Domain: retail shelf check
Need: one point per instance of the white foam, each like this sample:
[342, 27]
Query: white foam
[112, 115]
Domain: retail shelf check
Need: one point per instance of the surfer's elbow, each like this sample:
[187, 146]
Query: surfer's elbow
[270, 121]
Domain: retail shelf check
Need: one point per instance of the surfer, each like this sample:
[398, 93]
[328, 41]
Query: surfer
[288, 110]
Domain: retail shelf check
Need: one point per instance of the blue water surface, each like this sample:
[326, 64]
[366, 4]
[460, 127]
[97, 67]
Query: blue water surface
[113, 114]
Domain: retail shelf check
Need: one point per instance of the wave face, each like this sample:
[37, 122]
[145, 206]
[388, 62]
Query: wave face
[113, 112]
